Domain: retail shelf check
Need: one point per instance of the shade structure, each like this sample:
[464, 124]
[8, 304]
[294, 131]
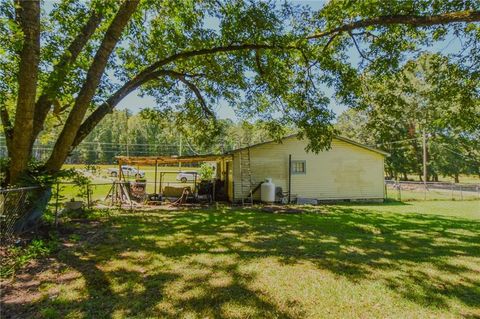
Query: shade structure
[152, 160]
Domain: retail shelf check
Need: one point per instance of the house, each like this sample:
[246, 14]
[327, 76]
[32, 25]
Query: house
[347, 171]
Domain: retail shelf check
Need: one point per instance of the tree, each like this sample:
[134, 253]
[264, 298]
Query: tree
[262, 58]
[431, 95]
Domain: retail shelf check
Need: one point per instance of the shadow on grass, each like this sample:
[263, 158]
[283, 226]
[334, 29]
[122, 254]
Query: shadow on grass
[169, 264]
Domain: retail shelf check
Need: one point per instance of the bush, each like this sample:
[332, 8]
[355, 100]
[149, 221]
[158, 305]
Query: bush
[206, 172]
[18, 257]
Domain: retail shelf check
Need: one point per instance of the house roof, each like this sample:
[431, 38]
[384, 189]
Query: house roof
[340, 138]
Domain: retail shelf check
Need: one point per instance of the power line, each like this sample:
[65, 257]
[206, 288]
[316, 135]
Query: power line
[396, 142]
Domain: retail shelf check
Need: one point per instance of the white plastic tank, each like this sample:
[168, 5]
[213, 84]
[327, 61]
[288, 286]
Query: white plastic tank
[267, 191]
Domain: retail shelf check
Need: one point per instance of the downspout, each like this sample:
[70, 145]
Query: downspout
[289, 177]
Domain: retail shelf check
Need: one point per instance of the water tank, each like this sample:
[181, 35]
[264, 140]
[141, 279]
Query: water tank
[267, 191]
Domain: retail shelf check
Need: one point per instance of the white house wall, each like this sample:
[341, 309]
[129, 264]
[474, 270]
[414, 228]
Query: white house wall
[346, 171]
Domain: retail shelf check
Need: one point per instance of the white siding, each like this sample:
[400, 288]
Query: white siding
[346, 171]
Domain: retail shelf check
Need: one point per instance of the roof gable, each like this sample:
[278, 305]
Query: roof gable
[340, 138]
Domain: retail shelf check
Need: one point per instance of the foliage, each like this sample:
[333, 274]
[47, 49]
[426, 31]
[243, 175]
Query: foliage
[206, 172]
[265, 59]
[18, 257]
[428, 95]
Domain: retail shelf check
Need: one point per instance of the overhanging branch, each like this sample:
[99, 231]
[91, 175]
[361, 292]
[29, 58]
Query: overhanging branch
[152, 72]
[413, 20]
[194, 89]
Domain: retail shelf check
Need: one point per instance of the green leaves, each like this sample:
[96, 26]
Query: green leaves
[272, 62]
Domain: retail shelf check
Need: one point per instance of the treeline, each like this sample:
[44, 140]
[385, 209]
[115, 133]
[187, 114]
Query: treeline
[432, 97]
[124, 133]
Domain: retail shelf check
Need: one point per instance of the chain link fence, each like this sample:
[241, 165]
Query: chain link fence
[407, 191]
[15, 203]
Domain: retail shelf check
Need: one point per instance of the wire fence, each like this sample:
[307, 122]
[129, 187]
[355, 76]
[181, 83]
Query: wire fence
[14, 205]
[410, 191]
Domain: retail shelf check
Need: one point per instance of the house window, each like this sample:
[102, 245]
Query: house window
[299, 167]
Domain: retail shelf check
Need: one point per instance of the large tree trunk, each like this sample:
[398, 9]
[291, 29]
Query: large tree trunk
[28, 16]
[64, 142]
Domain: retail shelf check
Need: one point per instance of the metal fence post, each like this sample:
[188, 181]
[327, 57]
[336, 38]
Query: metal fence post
[461, 192]
[399, 191]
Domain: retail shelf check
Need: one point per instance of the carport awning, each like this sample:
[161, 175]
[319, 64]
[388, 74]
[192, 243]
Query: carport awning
[152, 160]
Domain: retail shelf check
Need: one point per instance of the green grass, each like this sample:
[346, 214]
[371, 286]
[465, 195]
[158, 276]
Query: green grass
[396, 260]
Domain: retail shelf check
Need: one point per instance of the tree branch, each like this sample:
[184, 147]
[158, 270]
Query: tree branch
[259, 63]
[413, 20]
[150, 73]
[193, 88]
[206, 51]
[112, 35]
[60, 71]
[358, 48]
[330, 41]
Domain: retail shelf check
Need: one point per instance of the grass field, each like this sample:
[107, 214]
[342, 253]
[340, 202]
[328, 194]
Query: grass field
[395, 260]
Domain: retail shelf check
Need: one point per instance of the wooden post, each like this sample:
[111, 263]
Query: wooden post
[213, 190]
[161, 180]
[120, 171]
[194, 182]
[155, 187]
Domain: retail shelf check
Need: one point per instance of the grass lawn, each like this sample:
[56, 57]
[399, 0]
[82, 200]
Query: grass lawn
[413, 260]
